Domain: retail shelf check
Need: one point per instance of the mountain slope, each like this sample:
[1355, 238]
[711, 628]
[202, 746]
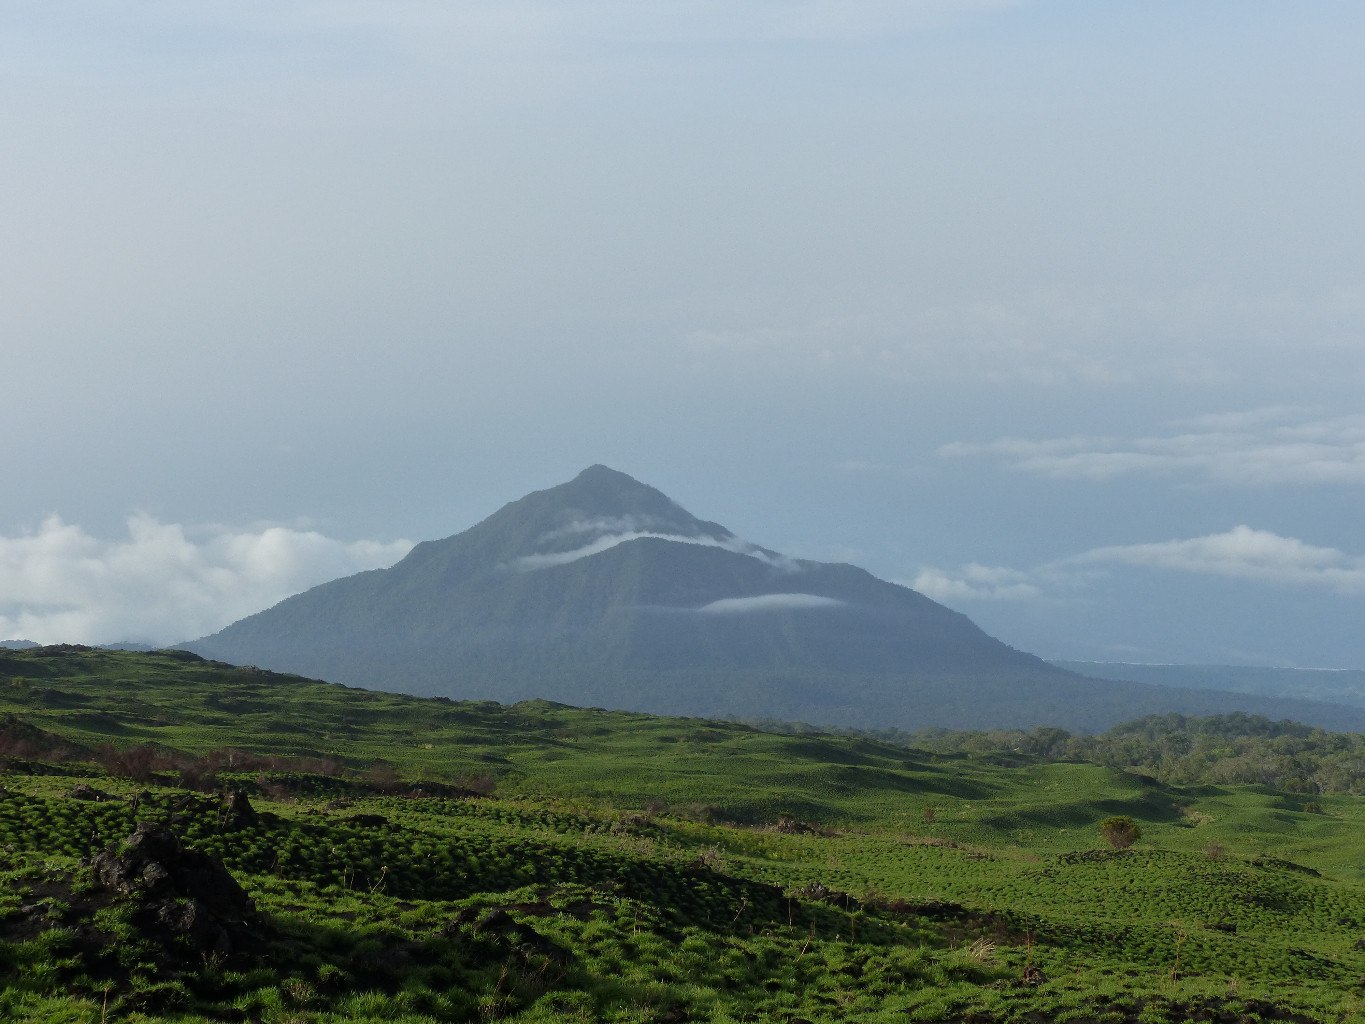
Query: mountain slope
[604, 591]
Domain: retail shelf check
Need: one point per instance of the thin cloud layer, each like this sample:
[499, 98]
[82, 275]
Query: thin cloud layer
[768, 603]
[162, 583]
[1241, 553]
[604, 525]
[975, 582]
[1111, 342]
[1244, 553]
[1264, 447]
[609, 540]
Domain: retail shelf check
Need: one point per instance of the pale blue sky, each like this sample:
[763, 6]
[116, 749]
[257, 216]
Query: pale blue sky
[1033, 304]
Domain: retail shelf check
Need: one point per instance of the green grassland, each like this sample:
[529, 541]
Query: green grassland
[425, 860]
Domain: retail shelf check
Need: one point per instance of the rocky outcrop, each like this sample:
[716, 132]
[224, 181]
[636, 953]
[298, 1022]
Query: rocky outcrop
[183, 894]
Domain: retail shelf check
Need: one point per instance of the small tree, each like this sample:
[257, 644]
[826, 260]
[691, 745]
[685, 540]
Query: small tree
[384, 777]
[1120, 832]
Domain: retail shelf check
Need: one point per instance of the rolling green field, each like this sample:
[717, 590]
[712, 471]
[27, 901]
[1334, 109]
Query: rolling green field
[423, 860]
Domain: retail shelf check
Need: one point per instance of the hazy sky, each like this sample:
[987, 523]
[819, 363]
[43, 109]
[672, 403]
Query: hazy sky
[1053, 310]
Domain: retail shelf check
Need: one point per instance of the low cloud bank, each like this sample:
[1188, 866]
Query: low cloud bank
[163, 583]
[1244, 553]
[975, 582]
[1241, 553]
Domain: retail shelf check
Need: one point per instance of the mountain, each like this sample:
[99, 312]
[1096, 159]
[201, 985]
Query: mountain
[17, 645]
[603, 591]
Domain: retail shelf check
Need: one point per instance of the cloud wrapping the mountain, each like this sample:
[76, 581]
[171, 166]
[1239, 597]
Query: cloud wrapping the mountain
[607, 525]
[768, 603]
[163, 583]
[549, 559]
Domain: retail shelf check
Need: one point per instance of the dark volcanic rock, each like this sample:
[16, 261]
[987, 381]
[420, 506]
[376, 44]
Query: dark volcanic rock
[236, 811]
[368, 821]
[85, 792]
[523, 937]
[183, 893]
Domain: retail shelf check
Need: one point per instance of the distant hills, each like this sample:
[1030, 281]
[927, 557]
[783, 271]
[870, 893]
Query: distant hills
[1330, 685]
[119, 645]
[603, 591]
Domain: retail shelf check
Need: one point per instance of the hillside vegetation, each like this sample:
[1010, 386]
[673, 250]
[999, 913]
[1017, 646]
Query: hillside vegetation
[1217, 749]
[185, 840]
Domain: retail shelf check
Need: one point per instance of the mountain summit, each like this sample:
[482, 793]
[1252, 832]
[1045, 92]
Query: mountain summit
[599, 506]
[604, 591]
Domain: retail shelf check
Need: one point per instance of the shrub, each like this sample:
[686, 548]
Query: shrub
[481, 783]
[1120, 831]
[201, 775]
[383, 777]
[136, 763]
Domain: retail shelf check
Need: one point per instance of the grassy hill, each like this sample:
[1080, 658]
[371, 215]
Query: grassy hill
[406, 859]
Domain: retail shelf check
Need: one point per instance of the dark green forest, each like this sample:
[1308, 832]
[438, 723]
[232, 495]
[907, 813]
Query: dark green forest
[1176, 749]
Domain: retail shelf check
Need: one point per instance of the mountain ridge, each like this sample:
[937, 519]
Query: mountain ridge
[603, 590]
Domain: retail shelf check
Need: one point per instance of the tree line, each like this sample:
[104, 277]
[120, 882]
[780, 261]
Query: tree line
[1227, 749]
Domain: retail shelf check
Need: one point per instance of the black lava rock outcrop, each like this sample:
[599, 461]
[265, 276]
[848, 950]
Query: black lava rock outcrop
[235, 811]
[184, 895]
[87, 792]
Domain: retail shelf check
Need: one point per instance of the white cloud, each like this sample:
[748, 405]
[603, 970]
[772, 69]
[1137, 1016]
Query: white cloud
[162, 583]
[768, 603]
[975, 582]
[1241, 553]
[1260, 447]
[605, 525]
[549, 559]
